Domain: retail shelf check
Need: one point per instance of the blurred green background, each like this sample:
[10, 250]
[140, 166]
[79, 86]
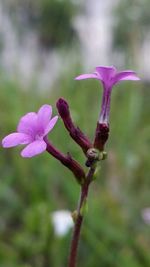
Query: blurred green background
[115, 233]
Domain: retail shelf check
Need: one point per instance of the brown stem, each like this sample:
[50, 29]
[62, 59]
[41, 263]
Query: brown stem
[79, 219]
[67, 161]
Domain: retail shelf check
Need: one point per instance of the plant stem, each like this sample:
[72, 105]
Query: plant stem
[66, 160]
[79, 218]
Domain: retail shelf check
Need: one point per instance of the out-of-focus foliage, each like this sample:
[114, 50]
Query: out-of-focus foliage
[130, 16]
[132, 22]
[114, 233]
[51, 19]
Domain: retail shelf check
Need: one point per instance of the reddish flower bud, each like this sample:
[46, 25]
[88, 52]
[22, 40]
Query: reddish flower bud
[63, 108]
[76, 134]
[101, 136]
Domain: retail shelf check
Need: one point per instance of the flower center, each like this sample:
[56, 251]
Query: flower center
[39, 136]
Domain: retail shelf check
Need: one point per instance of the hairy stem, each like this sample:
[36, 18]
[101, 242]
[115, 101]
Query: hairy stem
[79, 218]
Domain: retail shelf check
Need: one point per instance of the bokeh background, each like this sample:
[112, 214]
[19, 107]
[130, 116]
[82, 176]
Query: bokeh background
[44, 44]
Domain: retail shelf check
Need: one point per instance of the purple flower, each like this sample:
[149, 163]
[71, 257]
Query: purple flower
[31, 130]
[109, 76]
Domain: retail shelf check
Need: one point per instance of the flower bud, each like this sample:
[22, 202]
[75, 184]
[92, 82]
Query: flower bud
[101, 136]
[77, 135]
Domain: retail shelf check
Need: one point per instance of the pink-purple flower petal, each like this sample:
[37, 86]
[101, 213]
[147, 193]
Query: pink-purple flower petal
[15, 139]
[50, 125]
[44, 115]
[105, 73]
[31, 131]
[87, 76]
[33, 149]
[28, 124]
[125, 75]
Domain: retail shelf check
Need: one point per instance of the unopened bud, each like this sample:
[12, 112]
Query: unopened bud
[63, 108]
[77, 135]
[74, 215]
[84, 208]
[101, 136]
[102, 155]
[92, 156]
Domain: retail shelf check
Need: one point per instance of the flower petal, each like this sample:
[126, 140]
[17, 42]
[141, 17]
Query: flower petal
[15, 139]
[33, 149]
[125, 75]
[28, 124]
[50, 125]
[87, 76]
[106, 73]
[44, 115]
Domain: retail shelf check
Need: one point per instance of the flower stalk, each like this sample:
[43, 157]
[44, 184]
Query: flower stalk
[79, 218]
[67, 161]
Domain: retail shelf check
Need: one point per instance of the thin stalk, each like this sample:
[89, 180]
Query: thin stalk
[79, 218]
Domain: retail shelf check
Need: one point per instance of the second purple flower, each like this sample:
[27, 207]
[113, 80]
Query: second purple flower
[109, 76]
